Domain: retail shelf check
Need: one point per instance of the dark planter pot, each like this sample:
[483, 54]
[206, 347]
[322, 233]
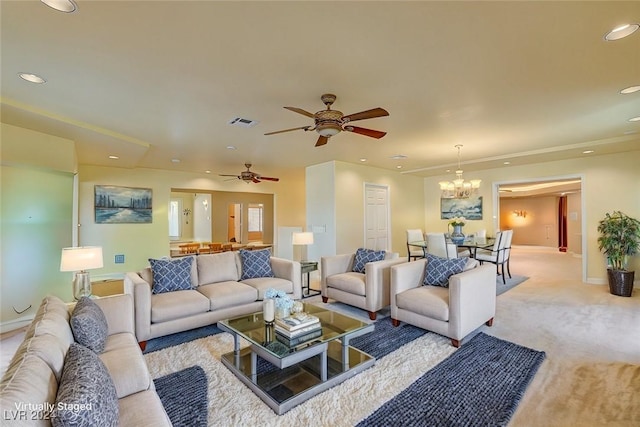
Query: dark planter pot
[621, 282]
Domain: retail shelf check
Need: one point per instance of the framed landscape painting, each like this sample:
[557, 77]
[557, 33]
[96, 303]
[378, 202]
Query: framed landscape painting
[122, 205]
[470, 208]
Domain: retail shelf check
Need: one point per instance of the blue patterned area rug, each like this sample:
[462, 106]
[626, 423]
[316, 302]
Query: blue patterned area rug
[184, 396]
[512, 282]
[479, 385]
[180, 338]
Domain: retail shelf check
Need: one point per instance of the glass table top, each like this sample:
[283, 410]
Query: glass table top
[253, 328]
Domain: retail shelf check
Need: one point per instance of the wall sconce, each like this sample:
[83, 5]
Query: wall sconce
[521, 213]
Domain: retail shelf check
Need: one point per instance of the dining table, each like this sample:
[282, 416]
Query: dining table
[471, 243]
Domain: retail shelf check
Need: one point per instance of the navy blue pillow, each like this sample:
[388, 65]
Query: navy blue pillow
[256, 264]
[171, 274]
[364, 256]
[438, 270]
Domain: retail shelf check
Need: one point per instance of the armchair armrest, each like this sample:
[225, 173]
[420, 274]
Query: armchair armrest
[289, 270]
[377, 282]
[472, 295]
[140, 289]
[118, 309]
[336, 264]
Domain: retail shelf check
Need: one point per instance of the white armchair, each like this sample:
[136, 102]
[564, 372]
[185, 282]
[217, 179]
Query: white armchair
[368, 291]
[468, 302]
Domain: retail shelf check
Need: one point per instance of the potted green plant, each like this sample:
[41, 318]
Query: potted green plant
[619, 239]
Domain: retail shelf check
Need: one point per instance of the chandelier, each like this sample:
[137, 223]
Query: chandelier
[459, 188]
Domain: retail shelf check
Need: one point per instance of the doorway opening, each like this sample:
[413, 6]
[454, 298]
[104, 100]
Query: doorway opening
[544, 213]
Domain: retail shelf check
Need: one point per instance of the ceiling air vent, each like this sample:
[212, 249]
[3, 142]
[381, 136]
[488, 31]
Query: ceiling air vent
[245, 123]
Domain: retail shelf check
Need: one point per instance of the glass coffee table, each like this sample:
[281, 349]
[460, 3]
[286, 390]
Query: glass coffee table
[284, 376]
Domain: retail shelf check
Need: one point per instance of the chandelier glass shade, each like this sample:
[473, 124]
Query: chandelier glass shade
[459, 188]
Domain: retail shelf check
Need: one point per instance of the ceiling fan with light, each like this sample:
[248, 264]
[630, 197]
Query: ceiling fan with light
[249, 176]
[331, 122]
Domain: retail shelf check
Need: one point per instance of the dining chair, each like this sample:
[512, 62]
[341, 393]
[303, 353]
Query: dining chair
[497, 255]
[414, 235]
[437, 245]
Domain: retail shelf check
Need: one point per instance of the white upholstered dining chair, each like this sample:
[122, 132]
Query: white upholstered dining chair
[437, 245]
[414, 235]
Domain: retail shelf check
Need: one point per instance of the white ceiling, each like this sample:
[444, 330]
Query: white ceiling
[150, 81]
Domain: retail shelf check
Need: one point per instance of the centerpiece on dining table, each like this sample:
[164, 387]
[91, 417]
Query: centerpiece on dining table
[457, 236]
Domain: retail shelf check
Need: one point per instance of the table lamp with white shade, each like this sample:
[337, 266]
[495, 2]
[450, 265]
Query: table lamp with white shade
[80, 259]
[303, 238]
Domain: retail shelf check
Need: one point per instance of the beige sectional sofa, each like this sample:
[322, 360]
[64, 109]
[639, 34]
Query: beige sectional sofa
[33, 378]
[218, 292]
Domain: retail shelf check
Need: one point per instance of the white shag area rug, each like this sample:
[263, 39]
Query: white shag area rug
[233, 404]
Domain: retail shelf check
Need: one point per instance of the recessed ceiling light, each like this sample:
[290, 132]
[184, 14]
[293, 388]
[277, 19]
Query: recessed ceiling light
[621, 32]
[231, 147]
[398, 157]
[175, 160]
[114, 157]
[207, 171]
[630, 89]
[587, 151]
[506, 163]
[635, 119]
[66, 6]
[33, 78]
[399, 167]
[363, 160]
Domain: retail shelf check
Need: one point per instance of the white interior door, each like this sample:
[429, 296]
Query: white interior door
[376, 221]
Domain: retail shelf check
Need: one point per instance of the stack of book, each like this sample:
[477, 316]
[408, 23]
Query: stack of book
[293, 331]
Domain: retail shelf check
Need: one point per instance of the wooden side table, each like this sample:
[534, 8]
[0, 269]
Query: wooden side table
[306, 267]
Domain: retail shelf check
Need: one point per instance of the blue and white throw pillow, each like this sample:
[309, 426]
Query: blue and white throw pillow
[89, 325]
[438, 270]
[86, 394]
[364, 256]
[256, 264]
[171, 274]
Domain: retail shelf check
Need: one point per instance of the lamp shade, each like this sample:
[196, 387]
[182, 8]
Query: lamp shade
[305, 238]
[81, 258]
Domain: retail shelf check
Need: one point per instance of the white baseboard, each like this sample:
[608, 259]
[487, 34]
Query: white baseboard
[14, 324]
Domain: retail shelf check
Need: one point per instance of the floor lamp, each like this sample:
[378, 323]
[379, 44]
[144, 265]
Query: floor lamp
[80, 259]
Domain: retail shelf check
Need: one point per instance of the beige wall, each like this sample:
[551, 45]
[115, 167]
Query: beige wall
[610, 182]
[138, 242]
[540, 225]
[345, 182]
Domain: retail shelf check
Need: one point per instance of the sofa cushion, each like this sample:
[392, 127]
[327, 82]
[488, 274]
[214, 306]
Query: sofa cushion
[228, 294]
[363, 256]
[429, 301]
[171, 274]
[261, 284]
[438, 270]
[143, 409]
[350, 282]
[126, 365]
[213, 268]
[28, 381]
[47, 347]
[53, 305]
[256, 264]
[54, 324]
[176, 305]
[89, 325]
[86, 395]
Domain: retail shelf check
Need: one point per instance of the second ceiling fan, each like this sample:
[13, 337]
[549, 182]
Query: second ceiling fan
[331, 122]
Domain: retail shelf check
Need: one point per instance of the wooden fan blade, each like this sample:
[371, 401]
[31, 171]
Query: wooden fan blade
[367, 132]
[300, 111]
[256, 180]
[266, 178]
[321, 141]
[288, 130]
[235, 176]
[369, 114]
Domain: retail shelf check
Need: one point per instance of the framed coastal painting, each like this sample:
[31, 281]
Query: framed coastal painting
[470, 208]
[122, 205]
